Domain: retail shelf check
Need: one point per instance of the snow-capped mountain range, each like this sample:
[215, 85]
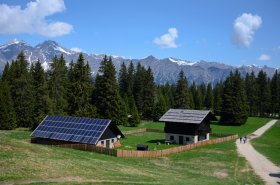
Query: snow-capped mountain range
[165, 70]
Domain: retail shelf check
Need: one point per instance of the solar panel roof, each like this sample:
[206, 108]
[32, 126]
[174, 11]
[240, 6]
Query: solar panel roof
[186, 116]
[73, 129]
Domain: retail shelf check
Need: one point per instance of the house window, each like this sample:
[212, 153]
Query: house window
[171, 138]
[187, 139]
[112, 140]
[102, 143]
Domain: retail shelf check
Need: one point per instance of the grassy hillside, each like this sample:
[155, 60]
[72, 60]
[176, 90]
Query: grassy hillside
[22, 162]
[269, 143]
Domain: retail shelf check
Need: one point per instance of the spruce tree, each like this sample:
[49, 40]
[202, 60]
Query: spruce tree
[275, 96]
[218, 94]
[7, 112]
[123, 80]
[263, 94]
[22, 91]
[208, 102]
[148, 96]
[234, 107]
[251, 93]
[43, 103]
[181, 97]
[107, 99]
[138, 86]
[197, 99]
[80, 89]
[58, 85]
[134, 118]
[160, 107]
[130, 79]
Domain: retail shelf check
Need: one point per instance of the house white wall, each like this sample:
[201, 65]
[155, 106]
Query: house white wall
[187, 139]
[102, 143]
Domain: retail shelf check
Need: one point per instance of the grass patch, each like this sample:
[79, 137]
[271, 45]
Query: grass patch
[269, 143]
[144, 124]
[211, 165]
[150, 138]
[252, 124]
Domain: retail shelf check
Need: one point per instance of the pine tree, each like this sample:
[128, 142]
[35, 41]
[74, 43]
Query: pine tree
[22, 91]
[123, 80]
[5, 74]
[7, 112]
[160, 107]
[197, 99]
[134, 118]
[107, 99]
[148, 96]
[275, 96]
[138, 87]
[43, 104]
[181, 97]
[58, 85]
[218, 94]
[251, 93]
[263, 94]
[208, 102]
[130, 79]
[234, 107]
[80, 89]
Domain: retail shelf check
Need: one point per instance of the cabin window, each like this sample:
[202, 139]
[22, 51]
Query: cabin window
[187, 139]
[102, 142]
[112, 140]
[171, 138]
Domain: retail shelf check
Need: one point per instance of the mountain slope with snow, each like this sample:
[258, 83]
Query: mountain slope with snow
[165, 70]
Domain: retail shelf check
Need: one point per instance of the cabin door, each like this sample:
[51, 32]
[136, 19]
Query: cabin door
[107, 143]
[181, 140]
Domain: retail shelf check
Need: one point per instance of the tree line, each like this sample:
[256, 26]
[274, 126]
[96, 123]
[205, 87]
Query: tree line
[28, 93]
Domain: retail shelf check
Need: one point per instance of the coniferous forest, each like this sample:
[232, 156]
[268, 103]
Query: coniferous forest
[28, 93]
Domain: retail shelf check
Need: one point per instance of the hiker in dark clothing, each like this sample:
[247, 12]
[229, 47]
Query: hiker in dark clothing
[240, 139]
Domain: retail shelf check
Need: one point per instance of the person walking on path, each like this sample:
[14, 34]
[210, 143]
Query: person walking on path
[268, 171]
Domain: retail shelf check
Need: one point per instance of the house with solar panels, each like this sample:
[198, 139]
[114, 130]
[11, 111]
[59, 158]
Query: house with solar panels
[184, 126]
[64, 129]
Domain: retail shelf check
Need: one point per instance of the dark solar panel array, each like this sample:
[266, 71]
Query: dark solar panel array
[74, 129]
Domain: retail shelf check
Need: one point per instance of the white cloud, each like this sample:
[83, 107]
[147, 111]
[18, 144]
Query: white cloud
[32, 18]
[167, 40]
[244, 29]
[264, 57]
[78, 50]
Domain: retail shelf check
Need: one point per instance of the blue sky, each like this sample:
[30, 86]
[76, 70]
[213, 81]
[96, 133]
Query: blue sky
[234, 32]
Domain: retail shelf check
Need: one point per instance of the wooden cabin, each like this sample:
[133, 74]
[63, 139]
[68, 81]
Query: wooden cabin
[65, 129]
[185, 126]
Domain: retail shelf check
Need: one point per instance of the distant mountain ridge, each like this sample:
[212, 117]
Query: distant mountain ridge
[165, 70]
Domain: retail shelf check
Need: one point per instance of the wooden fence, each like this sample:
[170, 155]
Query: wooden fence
[146, 154]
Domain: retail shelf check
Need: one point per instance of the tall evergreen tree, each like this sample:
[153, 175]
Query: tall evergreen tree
[234, 107]
[218, 94]
[123, 80]
[130, 79]
[80, 89]
[134, 118]
[160, 107]
[208, 102]
[148, 96]
[181, 97]
[138, 87]
[275, 96]
[43, 104]
[58, 85]
[263, 94]
[22, 91]
[251, 93]
[197, 99]
[108, 101]
[7, 112]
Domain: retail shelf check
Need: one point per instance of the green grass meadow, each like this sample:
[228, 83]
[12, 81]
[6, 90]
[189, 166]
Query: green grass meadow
[22, 162]
[269, 144]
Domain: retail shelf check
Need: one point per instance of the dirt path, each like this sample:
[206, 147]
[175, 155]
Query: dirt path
[269, 172]
[70, 179]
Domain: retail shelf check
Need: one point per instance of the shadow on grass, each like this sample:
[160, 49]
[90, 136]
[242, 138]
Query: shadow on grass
[156, 141]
